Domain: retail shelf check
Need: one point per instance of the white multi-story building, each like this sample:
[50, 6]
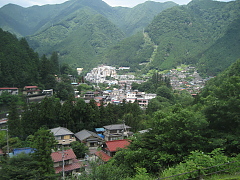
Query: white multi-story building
[99, 74]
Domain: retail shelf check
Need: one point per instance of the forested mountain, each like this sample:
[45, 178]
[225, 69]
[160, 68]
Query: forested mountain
[78, 39]
[19, 64]
[85, 33]
[79, 30]
[28, 21]
[202, 33]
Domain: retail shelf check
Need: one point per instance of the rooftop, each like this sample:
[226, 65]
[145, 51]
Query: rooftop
[69, 167]
[85, 134]
[103, 156]
[116, 126]
[59, 131]
[68, 154]
[114, 145]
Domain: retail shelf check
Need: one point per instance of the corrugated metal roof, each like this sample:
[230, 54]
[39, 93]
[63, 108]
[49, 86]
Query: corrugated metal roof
[84, 134]
[59, 131]
[116, 126]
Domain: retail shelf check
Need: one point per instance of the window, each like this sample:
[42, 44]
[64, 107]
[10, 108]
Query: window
[67, 137]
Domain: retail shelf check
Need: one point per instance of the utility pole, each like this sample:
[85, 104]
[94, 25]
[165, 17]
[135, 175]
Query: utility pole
[63, 156]
[63, 175]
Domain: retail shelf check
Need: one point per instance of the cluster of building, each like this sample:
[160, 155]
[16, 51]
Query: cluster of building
[117, 96]
[107, 74]
[186, 78]
[182, 78]
[102, 144]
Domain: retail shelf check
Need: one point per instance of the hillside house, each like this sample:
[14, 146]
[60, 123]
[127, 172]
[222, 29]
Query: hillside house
[3, 122]
[31, 90]
[66, 160]
[89, 138]
[11, 90]
[109, 149]
[116, 132]
[63, 136]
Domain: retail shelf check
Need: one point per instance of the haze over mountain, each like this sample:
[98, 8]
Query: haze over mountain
[90, 32]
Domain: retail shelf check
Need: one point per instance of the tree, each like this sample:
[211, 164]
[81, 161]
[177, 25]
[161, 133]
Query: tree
[21, 166]
[55, 63]
[79, 149]
[64, 90]
[14, 123]
[165, 92]
[43, 143]
[48, 115]
[198, 164]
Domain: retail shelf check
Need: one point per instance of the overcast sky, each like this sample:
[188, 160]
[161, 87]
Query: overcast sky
[124, 3]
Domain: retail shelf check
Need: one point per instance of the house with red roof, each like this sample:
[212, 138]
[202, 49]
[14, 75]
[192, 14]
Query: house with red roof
[30, 90]
[66, 160]
[11, 90]
[110, 148]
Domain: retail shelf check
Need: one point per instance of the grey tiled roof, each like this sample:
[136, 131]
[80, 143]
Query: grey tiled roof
[116, 126]
[84, 134]
[59, 131]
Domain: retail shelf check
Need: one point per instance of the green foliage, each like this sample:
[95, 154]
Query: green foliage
[104, 171]
[64, 91]
[19, 64]
[200, 164]
[79, 149]
[141, 175]
[220, 101]
[7, 99]
[43, 143]
[165, 92]
[200, 30]
[14, 122]
[84, 88]
[21, 166]
[129, 52]
[152, 84]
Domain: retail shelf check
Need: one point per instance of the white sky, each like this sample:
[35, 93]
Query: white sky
[124, 3]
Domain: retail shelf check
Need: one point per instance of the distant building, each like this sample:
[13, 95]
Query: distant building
[30, 90]
[124, 68]
[11, 90]
[116, 132]
[3, 122]
[79, 70]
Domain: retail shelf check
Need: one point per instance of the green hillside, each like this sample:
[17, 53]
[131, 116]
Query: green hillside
[79, 30]
[28, 21]
[187, 32]
[135, 19]
[203, 33]
[79, 38]
[18, 62]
